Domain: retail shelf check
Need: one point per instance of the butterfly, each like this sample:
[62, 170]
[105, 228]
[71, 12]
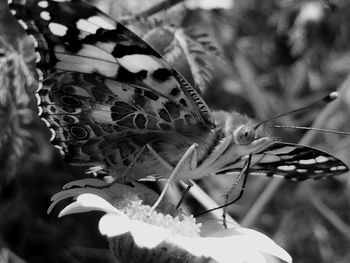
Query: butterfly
[110, 100]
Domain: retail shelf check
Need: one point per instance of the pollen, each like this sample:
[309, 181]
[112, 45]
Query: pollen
[184, 226]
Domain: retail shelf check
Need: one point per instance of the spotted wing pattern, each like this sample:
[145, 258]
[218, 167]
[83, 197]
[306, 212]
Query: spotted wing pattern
[291, 161]
[104, 93]
[75, 36]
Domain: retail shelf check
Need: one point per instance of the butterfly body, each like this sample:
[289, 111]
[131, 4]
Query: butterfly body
[106, 96]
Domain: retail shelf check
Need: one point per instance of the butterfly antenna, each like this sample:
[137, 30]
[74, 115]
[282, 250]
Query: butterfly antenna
[329, 98]
[310, 128]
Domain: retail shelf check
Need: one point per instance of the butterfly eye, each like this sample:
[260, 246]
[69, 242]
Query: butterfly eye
[244, 134]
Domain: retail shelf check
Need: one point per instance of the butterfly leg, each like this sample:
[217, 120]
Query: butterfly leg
[189, 185]
[170, 167]
[244, 174]
[159, 158]
[190, 153]
[132, 163]
[102, 170]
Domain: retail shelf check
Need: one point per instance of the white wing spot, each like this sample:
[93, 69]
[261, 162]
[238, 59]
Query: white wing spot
[46, 122]
[101, 61]
[13, 11]
[53, 134]
[342, 167]
[38, 57]
[310, 161]
[84, 25]
[335, 168]
[321, 159]
[60, 149]
[136, 63]
[24, 25]
[286, 167]
[58, 29]
[40, 110]
[35, 42]
[301, 170]
[40, 75]
[38, 99]
[101, 22]
[43, 4]
[40, 86]
[319, 171]
[100, 115]
[45, 15]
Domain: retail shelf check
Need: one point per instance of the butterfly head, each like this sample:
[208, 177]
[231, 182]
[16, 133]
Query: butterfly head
[240, 128]
[244, 134]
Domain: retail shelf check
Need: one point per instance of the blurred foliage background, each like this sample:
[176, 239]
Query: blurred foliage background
[260, 58]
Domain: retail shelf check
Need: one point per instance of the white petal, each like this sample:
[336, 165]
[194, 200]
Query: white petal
[242, 246]
[102, 22]
[74, 208]
[263, 243]
[93, 182]
[89, 202]
[146, 235]
[113, 225]
[222, 250]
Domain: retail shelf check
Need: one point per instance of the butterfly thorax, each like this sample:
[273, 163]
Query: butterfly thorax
[228, 150]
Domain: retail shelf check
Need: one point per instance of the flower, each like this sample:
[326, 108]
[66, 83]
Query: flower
[135, 234]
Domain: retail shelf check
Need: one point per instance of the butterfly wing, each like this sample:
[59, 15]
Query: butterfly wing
[104, 92]
[75, 36]
[95, 118]
[291, 161]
